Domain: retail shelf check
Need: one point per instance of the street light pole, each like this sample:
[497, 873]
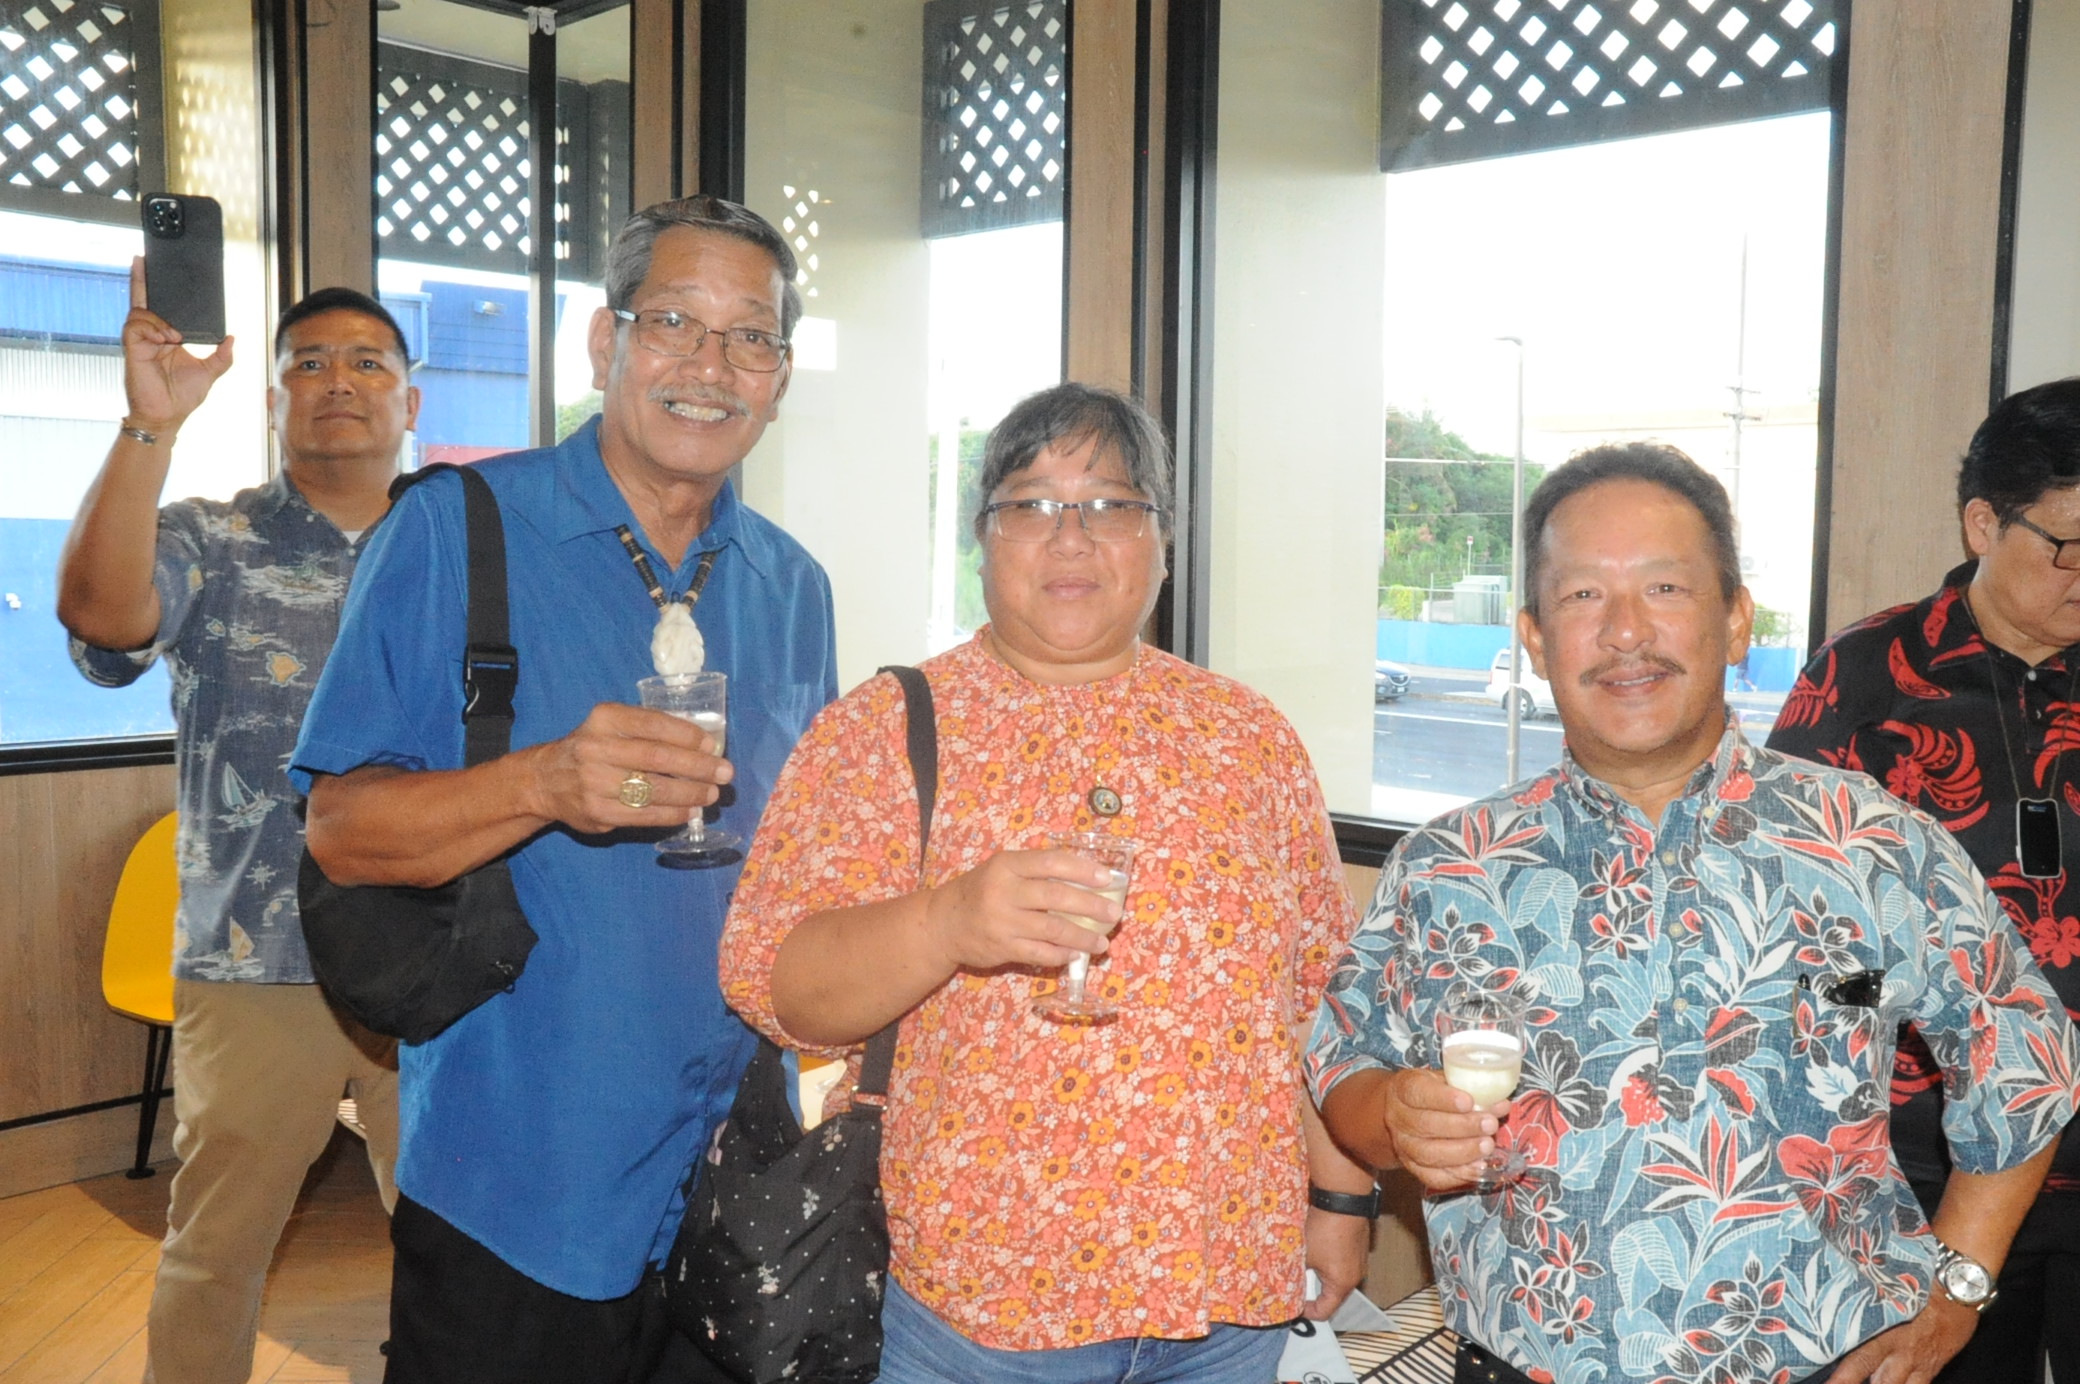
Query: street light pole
[1516, 572]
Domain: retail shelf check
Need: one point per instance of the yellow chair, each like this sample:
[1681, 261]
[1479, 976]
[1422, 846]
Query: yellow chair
[137, 965]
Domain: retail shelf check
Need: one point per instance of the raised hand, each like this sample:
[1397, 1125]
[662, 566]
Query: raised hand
[162, 380]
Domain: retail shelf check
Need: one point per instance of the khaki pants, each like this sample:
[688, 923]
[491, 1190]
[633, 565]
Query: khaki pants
[258, 1075]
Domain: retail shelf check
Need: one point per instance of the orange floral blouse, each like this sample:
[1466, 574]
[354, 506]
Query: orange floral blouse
[1052, 1185]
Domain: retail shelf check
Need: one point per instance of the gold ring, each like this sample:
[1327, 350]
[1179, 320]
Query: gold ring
[635, 790]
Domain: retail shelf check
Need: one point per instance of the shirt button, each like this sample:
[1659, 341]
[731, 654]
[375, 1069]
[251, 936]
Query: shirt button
[1668, 857]
[1681, 1004]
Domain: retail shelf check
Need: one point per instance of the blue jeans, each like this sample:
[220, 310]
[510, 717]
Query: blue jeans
[918, 1348]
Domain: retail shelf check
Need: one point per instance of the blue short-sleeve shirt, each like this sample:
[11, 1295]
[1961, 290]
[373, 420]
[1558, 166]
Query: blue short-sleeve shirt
[555, 1124]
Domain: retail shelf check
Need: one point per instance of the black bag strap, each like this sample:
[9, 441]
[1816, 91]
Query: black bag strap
[921, 732]
[490, 663]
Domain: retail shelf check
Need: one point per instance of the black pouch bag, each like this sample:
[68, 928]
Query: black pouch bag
[409, 962]
[778, 1270]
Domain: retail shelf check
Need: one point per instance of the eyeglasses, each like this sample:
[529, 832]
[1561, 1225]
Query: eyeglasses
[1104, 521]
[2065, 552]
[669, 332]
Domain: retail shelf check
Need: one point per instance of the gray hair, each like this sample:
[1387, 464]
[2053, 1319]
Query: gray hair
[1076, 413]
[628, 259]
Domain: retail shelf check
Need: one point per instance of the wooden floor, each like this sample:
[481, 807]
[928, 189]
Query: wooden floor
[76, 1267]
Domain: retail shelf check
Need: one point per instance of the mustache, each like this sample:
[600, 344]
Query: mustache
[1635, 664]
[707, 396]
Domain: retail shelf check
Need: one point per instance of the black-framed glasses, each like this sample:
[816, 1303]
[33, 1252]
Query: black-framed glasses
[669, 332]
[1104, 521]
[2065, 552]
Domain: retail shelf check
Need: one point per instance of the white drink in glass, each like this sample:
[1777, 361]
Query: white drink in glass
[1079, 967]
[703, 700]
[715, 724]
[1485, 1064]
[1071, 1004]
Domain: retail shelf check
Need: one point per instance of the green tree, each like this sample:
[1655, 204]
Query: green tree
[1434, 507]
[571, 416]
[967, 564]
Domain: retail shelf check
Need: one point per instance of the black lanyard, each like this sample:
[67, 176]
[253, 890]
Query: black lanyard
[649, 575]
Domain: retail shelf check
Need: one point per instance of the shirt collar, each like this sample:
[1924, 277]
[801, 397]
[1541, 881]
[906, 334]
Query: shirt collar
[1721, 776]
[272, 494]
[588, 501]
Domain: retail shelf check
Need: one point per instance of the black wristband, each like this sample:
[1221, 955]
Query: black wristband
[1364, 1204]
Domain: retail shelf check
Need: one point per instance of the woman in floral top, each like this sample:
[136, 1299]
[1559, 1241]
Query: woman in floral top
[1069, 1202]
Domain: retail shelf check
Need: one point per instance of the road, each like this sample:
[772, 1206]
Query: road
[1446, 738]
[1442, 738]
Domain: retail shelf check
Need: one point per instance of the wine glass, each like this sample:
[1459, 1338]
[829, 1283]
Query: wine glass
[1070, 1004]
[1483, 1032]
[702, 698]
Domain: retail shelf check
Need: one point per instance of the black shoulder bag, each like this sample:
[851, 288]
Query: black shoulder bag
[779, 1267]
[409, 962]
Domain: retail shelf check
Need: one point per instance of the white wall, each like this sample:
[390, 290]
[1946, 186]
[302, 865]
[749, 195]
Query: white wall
[2045, 340]
[1298, 393]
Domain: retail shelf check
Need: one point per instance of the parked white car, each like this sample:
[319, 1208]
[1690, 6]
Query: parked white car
[1534, 693]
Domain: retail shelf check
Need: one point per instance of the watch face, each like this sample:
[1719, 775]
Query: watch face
[1965, 1280]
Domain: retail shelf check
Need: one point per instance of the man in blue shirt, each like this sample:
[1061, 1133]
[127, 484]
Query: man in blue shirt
[547, 1135]
[1716, 946]
[242, 598]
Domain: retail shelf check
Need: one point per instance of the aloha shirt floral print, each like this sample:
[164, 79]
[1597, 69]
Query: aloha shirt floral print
[1960, 728]
[1052, 1185]
[250, 593]
[1712, 1195]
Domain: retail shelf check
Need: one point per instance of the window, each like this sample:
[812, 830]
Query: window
[456, 220]
[932, 286]
[81, 138]
[1626, 204]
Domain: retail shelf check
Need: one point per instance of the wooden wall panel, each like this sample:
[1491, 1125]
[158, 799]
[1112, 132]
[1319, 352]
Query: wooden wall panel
[1156, 307]
[44, 1155]
[654, 44]
[689, 108]
[1098, 244]
[63, 840]
[339, 133]
[1920, 215]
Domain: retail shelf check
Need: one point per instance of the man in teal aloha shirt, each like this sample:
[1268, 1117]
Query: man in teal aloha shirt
[1717, 945]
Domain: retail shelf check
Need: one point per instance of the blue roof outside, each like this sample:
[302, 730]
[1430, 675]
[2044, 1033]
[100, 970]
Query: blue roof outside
[82, 303]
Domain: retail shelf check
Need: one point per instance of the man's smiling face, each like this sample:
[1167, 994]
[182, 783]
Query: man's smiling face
[1633, 629]
[690, 417]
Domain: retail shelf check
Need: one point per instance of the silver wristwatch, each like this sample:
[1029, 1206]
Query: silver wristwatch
[1964, 1278]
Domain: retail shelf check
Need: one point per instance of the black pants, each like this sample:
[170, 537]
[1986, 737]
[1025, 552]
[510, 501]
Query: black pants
[1475, 1366]
[2038, 1307]
[461, 1315]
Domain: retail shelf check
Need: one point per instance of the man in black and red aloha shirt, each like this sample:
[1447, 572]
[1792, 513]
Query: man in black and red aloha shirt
[1965, 706]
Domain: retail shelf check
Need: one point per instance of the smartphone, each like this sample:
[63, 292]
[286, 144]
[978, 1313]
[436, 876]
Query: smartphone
[2037, 847]
[184, 264]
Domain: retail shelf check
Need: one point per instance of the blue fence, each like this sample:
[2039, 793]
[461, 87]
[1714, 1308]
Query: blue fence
[1475, 646]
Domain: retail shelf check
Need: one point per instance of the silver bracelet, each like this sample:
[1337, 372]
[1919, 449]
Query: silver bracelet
[140, 435]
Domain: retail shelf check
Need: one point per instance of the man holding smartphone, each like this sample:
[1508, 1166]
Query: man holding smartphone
[1964, 705]
[243, 598]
